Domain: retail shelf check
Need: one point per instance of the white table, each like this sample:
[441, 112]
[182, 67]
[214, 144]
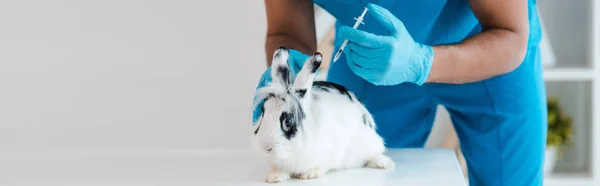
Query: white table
[124, 167]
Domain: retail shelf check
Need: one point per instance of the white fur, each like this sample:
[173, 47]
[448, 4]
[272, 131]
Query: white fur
[331, 137]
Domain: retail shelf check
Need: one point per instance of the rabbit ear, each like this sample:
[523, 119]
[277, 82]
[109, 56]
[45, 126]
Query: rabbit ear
[280, 68]
[304, 80]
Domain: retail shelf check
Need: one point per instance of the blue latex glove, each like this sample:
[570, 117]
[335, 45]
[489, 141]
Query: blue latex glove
[386, 60]
[296, 60]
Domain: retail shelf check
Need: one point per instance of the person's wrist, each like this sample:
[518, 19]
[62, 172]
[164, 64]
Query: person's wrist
[422, 60]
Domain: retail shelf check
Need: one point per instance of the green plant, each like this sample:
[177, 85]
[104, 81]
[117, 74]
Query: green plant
[559, 124]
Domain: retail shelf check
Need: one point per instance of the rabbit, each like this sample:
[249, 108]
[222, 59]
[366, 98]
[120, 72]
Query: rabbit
[309, 128]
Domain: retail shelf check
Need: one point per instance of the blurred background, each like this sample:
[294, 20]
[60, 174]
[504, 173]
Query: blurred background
[180, 74]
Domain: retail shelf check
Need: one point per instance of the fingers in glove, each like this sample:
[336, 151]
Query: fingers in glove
[372, 53]
[362, 61]
[366, 74]
[361, 37]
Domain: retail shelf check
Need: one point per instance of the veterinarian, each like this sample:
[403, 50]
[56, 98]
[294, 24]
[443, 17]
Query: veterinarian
[478, 58]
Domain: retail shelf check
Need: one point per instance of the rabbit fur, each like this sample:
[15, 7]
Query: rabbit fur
[308, 128]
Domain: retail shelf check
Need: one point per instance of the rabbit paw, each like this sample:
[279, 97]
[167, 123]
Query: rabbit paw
[381, 162]
[312, 174]
[276, 177]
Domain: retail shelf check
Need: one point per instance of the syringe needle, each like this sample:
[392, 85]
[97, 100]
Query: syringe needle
[358, 22]
[339, 52]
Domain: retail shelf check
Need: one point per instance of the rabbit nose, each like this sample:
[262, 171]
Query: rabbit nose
[269, 149]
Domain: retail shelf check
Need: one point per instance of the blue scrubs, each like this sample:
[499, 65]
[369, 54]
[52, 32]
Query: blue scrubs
[500, 122]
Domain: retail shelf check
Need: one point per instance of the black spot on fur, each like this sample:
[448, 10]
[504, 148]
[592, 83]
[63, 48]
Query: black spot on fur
[289, 124]
[301, 92]
[283, 48]
[366, 121]
[284, 74]
[315, 67]
[323, 85]
[324, 89]
[316, 64]
[291, 119]
[256, 131]
[262, 105]
[364, 118]
[271, 95]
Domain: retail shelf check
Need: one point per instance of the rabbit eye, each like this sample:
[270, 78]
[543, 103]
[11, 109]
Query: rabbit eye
[286, 121]
[287, 124]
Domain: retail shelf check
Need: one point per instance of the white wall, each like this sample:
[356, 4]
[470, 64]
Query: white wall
[128, 73]
[569, 29]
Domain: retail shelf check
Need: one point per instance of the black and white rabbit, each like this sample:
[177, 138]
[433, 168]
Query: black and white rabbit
[310, 128]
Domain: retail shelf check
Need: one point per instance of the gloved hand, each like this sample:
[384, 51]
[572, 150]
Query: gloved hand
[297, 60]
[386, 60]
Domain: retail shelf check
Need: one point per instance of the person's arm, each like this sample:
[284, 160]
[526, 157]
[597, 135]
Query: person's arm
[498, 49]
[290, 23]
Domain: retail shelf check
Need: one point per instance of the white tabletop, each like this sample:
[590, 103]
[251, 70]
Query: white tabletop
[216, 168]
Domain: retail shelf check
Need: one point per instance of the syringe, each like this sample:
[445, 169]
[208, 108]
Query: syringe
[358, 22]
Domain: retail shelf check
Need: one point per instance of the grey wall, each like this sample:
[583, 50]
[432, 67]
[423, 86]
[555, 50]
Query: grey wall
[128, 73]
